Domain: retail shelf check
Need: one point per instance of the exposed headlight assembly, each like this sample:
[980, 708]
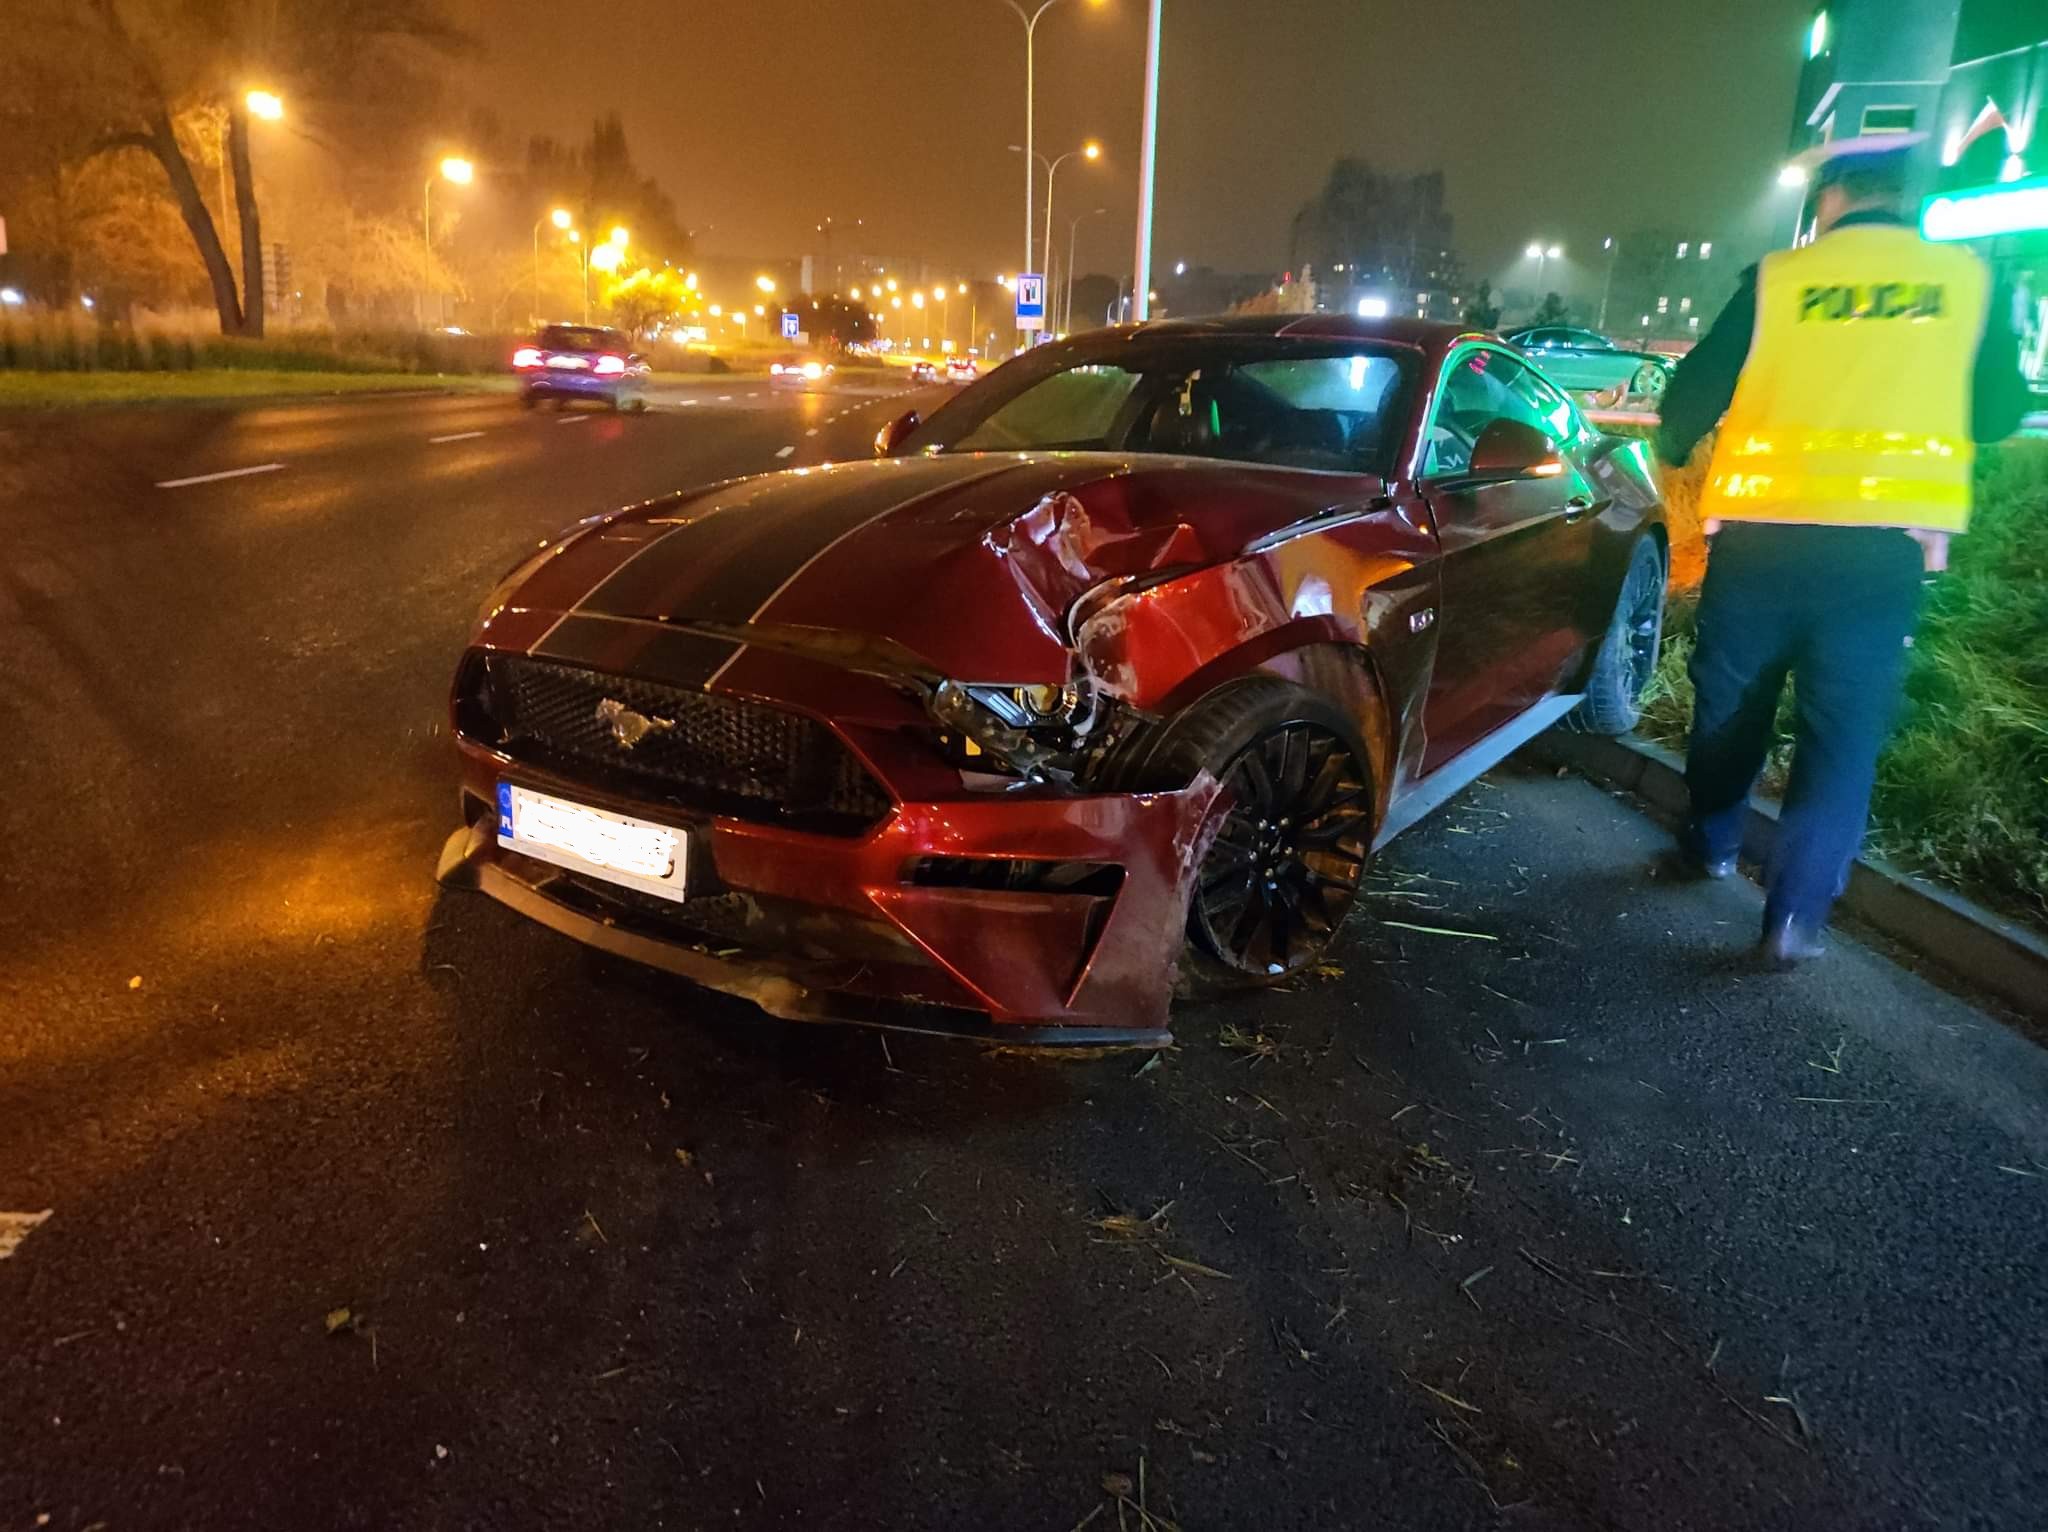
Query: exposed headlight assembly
[1027, 729]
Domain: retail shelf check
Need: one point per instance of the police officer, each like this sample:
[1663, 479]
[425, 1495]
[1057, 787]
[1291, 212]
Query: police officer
[1856, 373]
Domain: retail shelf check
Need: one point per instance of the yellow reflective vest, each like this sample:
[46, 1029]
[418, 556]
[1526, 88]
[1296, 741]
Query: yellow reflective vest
[1853, 408]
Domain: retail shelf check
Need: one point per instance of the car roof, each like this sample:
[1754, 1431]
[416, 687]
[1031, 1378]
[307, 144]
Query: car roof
[1430, 337]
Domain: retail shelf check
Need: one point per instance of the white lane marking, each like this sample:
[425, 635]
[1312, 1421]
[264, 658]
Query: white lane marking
[725, 398]
[785, 452]
[812, 432]
[15, 1227]
[691, 403]
[454, 436]
[572, 420]
[226, 473]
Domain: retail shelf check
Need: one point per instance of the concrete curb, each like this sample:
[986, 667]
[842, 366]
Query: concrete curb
[1983, 949]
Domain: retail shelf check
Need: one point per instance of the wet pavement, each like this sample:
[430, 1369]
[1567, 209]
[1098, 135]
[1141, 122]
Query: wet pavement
[372, 1205]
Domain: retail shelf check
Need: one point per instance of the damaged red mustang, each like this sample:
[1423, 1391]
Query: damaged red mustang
[1105, 682]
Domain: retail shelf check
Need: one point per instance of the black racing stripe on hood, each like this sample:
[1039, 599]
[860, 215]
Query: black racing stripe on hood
[725, 565]
[721, 567]
[645, 650]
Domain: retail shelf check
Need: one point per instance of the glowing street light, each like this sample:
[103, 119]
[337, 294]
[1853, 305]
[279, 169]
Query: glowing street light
[1542, 255]
[606, 257]
[561, 220]
[265, 104]
[1794, 175]
[717, 311]
[891, 285]
[765, 283]
[459, 172]
[618, 236]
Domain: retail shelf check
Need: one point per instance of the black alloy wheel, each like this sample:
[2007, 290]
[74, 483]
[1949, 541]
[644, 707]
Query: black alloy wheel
[1284, 868]
[1644, 603]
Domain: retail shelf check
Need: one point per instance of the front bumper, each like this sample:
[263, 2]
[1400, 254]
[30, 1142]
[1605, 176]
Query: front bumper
[817, 927]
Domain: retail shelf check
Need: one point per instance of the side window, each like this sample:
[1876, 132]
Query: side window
[1547, 409]
[1479, 388]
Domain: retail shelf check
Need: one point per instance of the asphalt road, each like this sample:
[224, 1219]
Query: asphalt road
[374, 1206]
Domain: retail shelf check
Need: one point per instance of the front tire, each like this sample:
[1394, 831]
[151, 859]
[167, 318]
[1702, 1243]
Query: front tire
[1627, 657]
[1290, 835]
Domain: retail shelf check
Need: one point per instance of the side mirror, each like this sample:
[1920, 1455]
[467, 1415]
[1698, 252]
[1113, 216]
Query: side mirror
[894, 434]
[1512, 449]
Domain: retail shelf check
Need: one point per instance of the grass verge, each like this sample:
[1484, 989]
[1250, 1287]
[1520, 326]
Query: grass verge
[1962, 789]
[48, 390]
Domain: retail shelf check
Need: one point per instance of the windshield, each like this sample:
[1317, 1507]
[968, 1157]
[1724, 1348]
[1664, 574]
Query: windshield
[569, 337]
[1336, 408]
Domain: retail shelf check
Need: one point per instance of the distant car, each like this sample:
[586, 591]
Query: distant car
[1116, 670]
[961, 369]
[570, 361]
[1560, 338]
[1608, 377]
[922, 371]
[798, 372]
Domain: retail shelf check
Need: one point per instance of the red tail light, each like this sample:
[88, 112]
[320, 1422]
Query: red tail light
[610, 366]
[526, 356]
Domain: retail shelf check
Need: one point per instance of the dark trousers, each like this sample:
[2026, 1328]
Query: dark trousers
[1834, 609]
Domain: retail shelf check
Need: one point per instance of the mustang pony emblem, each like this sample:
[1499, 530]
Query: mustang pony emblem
[627, 726]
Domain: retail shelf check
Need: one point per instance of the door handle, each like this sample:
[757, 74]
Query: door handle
[1576, 507]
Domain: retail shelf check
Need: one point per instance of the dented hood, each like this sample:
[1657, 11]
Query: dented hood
[971, 563]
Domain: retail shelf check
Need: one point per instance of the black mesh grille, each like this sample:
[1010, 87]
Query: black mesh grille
[698, 750]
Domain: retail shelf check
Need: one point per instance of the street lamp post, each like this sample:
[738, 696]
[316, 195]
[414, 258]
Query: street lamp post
[1613, 249]
[1089, 151]
[561, 220]
[1073, 233]
[458, 172]
[1030, 20]
[1542, 255]
[1141, 281]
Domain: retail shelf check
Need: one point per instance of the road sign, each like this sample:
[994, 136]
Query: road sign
[1031, 301]
[790, 324]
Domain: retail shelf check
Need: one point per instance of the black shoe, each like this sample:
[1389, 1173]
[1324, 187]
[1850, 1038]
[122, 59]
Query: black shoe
[1788, 942]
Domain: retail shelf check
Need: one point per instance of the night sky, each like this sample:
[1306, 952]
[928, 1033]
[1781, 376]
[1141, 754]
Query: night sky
[1569, 119]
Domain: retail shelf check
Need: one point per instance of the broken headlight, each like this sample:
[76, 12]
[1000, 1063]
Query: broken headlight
[1033, 731]
[1031, 707]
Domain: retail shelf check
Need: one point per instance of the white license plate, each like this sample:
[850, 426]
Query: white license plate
[629, 852]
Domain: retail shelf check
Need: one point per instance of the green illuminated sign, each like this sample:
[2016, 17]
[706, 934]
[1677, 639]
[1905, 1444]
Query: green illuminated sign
[1983, 212]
